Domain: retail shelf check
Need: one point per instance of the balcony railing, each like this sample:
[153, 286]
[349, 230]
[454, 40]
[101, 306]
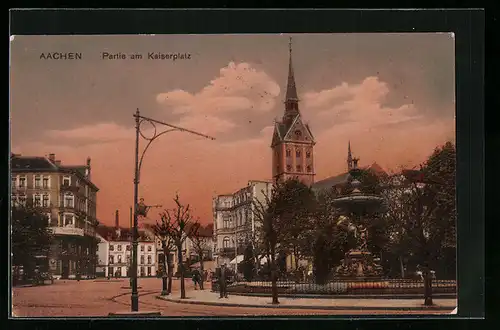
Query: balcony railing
[68, 230]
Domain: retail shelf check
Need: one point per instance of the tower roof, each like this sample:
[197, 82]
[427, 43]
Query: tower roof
[291, 89]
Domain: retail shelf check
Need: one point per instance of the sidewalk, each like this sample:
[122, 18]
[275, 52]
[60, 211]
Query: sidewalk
[206, 297]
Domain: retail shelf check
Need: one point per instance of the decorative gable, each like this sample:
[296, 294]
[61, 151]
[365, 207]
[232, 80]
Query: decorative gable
[299, 131]
[276, 135]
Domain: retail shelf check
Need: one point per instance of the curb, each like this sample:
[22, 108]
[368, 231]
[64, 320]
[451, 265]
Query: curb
[340, 296]
[210, 303]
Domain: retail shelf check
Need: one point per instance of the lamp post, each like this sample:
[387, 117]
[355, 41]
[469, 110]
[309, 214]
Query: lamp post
[142, 209]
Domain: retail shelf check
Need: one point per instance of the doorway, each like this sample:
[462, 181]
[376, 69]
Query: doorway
[65, 269]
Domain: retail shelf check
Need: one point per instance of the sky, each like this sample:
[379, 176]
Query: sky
[391, 95]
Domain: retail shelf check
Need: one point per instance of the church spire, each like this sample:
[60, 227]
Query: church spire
[291, 89]
[291, 98]
[349, 156]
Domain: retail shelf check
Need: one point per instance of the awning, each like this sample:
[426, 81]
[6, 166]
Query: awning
[238, 258]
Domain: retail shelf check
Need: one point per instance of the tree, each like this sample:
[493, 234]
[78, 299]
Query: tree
[163, 230]
[248, 263]
[31, 237]
[180, 227]
[296, 206]
[200, 245]
[267, 215]
[425, 202]
[327, 243]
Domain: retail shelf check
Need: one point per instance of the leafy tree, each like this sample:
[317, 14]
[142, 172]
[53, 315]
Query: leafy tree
[248, 263]
[296, 205]
[271, 225]
[179, 224]
[327, 241]
[31, 237]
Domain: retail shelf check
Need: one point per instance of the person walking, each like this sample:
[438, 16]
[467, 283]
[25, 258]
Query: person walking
[196, 278]
[223, 282]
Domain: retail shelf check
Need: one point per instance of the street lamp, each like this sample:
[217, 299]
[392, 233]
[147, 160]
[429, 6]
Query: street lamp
[142, 209]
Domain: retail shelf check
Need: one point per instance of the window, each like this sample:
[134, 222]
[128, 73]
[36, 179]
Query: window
[298, 133]
[119, 258]
[309, 169]
[22, 182]
[142, 259]
[142, 248]
[297, 153]
[49, 218]
[22, 199]
[66, 181]
[149, 260]
[226, 221]
[14, 182]
[38, 181]
[149, 271]
[225, 242]
[111, 259]
[149, 248]
[288, 152]
[69, 200]
[119, 271]
[128, 260]
[308, 154]
[111, 247]
[299, 168]
[13, 200]
[128, 247]
[45, 200]
[142, 271]
[45, 182]
[37, 200]
[289, 167]
[119, 247]
[68, 219]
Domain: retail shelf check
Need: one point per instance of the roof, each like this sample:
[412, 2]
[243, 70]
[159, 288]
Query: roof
[110, 234]
[43, 164]
[331, 181]
[342, 178]
[24, 163]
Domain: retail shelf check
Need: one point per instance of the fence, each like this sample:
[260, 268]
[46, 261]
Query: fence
[347, 287]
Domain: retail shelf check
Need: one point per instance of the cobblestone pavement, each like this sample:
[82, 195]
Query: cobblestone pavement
[90, 298]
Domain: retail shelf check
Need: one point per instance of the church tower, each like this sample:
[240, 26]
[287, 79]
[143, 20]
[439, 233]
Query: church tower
[293, 142]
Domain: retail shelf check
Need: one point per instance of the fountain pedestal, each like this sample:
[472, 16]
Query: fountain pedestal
[359, 264]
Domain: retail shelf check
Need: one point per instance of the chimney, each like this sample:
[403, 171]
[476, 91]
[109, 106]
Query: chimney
[87, 172]
[52, 158]
[117, 220]
[58, 162]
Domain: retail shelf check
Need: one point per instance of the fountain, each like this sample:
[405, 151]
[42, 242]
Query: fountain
[359, 262]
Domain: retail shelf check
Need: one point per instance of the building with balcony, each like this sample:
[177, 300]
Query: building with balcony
[115, 251]
[67, 195]
[234, 220]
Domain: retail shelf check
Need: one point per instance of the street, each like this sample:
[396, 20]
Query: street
[98, 298]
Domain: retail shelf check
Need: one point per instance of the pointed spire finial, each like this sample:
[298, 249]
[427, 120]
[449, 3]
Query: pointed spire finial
[349, 157]
[291, 90]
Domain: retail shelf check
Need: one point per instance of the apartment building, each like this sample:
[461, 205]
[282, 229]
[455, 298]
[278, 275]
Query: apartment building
[234, 220]
[117, 242]
[67, 195]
